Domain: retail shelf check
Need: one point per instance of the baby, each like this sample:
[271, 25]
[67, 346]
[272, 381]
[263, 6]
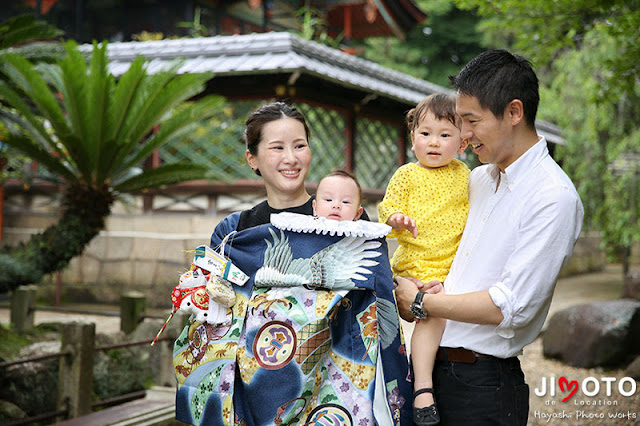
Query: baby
[338, 197]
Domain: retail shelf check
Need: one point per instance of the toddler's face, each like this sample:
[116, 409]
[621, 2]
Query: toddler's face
[337, 198]
[436, 142]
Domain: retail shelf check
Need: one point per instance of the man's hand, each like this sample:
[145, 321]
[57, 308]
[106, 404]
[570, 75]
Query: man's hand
[406, 290]
[402, 221]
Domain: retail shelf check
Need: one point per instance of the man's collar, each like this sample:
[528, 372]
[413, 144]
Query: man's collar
[516, 170]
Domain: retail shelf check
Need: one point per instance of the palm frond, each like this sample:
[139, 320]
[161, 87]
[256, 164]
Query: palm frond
[182, 123]
[73, 72]
[25, 76]
[17, 102]
[134, 126]
[100, 84]
[24, 28]
[159, 94]
[164, 175]
[122, 99]
[32, 148]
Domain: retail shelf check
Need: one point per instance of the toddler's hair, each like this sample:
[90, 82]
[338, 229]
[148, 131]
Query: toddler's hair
[442, 106]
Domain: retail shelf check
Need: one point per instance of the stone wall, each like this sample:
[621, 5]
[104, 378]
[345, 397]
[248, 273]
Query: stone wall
[145, 253]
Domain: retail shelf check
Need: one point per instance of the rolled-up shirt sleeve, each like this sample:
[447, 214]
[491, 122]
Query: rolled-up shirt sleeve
[546, 238]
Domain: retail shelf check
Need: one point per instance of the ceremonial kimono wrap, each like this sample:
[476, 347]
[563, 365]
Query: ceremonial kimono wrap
[313, 338]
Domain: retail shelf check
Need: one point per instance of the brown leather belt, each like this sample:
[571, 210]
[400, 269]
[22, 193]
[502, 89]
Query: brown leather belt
[459, 355]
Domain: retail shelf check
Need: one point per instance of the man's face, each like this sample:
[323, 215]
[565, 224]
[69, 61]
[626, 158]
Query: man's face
[490, 137]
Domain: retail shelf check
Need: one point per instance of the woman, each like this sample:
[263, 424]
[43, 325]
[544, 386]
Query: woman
[295, 353]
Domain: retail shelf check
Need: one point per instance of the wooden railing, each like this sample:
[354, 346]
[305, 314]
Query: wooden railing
[77, 354]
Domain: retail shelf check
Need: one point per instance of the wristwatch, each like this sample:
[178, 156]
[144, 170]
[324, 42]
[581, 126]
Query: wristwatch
[416, 307]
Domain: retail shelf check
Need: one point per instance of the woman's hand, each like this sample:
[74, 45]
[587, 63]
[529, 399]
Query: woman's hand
[402, 221]
[406, 290]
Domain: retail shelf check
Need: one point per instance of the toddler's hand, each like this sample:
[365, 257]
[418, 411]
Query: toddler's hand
[402, 221]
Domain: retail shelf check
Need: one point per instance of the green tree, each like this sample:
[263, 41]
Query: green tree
[603, 140]
[545, 29]
[432, 51]
[91, 132]
[589, 61]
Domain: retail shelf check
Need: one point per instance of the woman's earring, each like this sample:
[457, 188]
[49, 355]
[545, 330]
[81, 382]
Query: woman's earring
[257, 171]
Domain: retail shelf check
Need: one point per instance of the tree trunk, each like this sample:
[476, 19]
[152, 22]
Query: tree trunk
[84, 213]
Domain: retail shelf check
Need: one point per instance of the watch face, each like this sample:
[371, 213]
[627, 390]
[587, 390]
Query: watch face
[416, 310]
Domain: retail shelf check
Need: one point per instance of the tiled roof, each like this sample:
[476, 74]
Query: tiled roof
[275, 52]
[278, 53]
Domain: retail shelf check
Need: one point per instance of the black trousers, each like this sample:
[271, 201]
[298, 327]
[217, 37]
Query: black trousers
[490, 391]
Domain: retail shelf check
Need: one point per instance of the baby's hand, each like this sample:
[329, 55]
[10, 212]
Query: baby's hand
[402, 221]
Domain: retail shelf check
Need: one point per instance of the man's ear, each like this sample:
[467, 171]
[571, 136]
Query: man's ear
[515, 111]
[360, 210]
[464, 143]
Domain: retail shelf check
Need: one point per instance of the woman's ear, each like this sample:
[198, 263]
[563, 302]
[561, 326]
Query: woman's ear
[253, 163]
[251, 159]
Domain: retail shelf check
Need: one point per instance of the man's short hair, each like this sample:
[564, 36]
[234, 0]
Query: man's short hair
[495, 78]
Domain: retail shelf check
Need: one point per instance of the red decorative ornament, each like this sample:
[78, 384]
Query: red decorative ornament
[45, 5]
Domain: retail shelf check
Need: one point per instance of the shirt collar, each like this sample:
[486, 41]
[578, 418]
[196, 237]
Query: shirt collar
[521, 166]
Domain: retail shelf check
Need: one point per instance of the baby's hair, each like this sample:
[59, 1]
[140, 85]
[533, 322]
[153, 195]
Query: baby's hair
[442, 106]
[348, 175]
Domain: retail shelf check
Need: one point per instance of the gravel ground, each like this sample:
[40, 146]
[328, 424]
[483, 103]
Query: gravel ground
[580, 409]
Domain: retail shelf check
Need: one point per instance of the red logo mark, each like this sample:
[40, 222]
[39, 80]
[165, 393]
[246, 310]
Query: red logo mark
[571, 386]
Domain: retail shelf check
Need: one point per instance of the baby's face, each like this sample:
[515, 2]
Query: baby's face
[337, 198]
[436, 142]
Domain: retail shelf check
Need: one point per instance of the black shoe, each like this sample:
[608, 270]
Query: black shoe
[425, 416]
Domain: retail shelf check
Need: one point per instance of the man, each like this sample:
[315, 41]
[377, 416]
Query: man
[525, 216]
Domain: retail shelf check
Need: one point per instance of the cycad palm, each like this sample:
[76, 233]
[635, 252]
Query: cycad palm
[99, 131]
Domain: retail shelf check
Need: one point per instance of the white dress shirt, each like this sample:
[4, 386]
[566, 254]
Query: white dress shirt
[515, 242]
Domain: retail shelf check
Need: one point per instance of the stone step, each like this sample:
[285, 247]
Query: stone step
[156, 408]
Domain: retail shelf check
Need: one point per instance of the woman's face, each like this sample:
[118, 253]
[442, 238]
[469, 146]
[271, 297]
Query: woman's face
[283, 158]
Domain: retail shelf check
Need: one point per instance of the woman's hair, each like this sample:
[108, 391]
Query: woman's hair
[495, 78]
[266, 114]
[442, 106]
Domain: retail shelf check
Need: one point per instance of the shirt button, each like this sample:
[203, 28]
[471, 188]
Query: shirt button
[466, 254]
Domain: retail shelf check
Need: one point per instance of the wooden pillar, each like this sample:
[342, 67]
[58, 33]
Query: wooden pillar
[348, 32]
[132, 306]
[75, 382]
[23, 301]
[402, 143]
[350, 135]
